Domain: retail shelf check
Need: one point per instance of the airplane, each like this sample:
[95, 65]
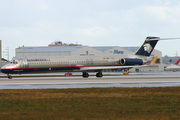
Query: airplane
[173, 67]
[83, 64]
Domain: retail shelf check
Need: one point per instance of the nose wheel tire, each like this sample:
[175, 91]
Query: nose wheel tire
[9, 77]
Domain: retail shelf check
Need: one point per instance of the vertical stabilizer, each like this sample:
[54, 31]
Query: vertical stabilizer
[148, 46]
[168, 63]
[177, 62]
[155, 59]
[152, 62]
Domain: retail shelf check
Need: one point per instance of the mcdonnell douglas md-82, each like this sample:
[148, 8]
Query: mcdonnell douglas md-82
[83, 64]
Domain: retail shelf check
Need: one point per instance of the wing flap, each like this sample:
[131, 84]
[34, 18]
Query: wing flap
[109, 68]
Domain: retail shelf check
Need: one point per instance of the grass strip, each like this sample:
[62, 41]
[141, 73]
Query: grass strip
[91, 103]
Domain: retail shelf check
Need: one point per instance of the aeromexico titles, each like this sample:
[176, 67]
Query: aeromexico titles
[83, 64]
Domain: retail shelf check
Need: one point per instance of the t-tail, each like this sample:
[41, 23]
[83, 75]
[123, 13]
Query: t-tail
[148, 46]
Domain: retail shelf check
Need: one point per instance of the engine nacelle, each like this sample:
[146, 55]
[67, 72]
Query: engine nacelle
[131, 61]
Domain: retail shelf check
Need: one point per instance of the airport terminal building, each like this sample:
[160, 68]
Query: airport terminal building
[56, 50]
[79, 50]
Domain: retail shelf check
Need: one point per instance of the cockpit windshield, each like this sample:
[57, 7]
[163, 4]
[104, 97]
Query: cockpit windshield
[13, 62]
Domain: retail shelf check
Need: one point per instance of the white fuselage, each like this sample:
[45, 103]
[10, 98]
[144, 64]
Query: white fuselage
[173, 67]
[61, 64]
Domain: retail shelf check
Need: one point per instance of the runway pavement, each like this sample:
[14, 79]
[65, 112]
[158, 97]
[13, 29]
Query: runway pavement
[161, 79]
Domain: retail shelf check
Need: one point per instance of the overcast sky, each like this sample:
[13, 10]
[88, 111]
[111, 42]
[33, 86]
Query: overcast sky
[89, 22]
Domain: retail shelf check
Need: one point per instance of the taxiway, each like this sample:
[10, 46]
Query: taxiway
[133, 80]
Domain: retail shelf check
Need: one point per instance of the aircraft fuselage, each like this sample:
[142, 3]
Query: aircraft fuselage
[60, 64]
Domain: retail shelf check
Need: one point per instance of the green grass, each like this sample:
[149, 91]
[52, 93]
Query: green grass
[91, 103]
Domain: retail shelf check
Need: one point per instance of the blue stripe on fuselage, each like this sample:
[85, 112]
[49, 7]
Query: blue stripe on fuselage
[34, 70]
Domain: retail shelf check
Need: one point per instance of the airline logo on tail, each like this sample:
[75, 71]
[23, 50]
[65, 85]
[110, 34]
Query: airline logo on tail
[147, 47]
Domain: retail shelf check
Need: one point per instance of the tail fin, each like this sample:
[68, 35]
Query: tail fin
[168, 63]
[152, 62]
[148, 46]
[177, 62]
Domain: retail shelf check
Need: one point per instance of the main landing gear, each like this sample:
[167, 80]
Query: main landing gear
[99, 74]
[86, 75]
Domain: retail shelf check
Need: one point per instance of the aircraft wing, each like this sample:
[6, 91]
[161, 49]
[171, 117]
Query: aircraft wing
[85, 69]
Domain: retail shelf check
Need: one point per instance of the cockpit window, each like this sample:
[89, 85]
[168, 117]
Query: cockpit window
[13, 62]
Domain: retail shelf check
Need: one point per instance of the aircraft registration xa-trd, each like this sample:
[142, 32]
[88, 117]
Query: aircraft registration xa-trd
[83, 64]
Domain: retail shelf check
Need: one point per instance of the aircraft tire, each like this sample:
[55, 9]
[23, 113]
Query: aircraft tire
[99, 75]
[9, 77]
[85, 75]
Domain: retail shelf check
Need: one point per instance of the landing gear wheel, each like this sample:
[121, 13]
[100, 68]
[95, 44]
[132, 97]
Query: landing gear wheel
[99, 74]
[9, 77]
[85, 75]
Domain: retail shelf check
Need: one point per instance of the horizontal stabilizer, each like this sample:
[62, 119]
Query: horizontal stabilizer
[158, 38]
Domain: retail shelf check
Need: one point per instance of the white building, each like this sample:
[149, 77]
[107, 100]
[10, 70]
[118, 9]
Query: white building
[85, 51]
[77, 51]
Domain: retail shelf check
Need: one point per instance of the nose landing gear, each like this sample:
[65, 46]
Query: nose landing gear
[9, 76]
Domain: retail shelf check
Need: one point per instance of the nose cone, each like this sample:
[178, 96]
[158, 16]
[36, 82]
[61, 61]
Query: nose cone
[5, 69]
